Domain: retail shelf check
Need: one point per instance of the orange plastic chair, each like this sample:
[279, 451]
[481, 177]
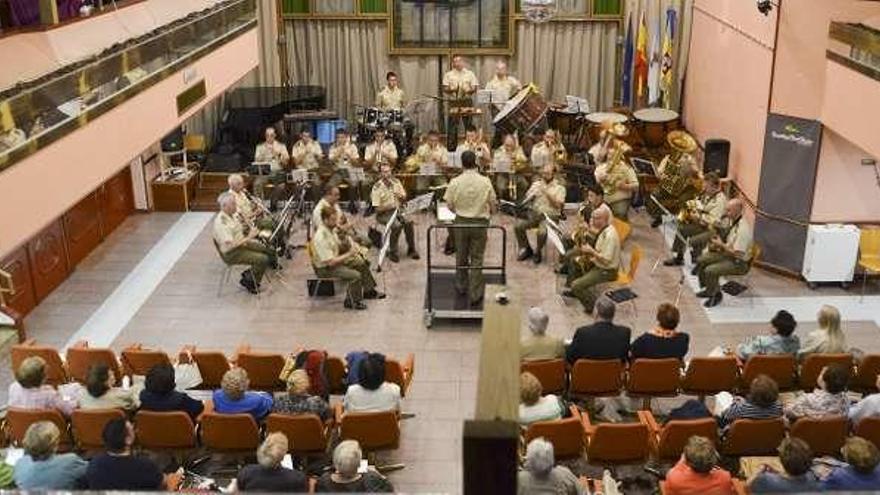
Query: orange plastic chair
[336, 374]
[173, 430]
[88, 426]
[18, 420]
[81, 357]
[56, 371]
[622, 227]
[596, 378]
[668, 440]
[865, 379]
[401, 373]
[567, 434]
[307, 435]
[869, 254]
[825, 436]
[212, 365]
[263, 369]
[869, 429]
[373, 430]
[813, 364]
[782, 368]
[710, 375]
[137, 360]
[753, 437]
[229, 432]
[649, 378]
[550, 372]
[618, 443]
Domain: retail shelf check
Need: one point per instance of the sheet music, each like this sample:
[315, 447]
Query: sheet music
[428, 168]
[502, 165]
[386, 237]
[444, 214]
[576, 104]
[455, 158]
[555, 240]
[298, 175]
[356, 174]
[491, 96]
[418, 203]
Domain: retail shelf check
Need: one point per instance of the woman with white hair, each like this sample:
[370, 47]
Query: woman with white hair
[42, 468]
[346, 477]
[540, 345]
[233, 396]
[268, 475]
[829, 337]
[540, 474]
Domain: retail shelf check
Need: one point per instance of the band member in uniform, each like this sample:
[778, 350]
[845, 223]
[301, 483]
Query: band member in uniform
[253, 213]
[474, 142]
[582, 233]
[275, 154]
[472, 198]
[504, 82]
[549, 151]
[678, 177]
[344, 228]
[330, 261]
[545, 197]
[391, 97]
[699, 220]
[306, 153]
[381, 150]
[604, 260]
[430, 162]
[616, 175]
[388, 195]
[514, 182]
[725, 256]
[343, 154]
[459, 84]
[240, 248]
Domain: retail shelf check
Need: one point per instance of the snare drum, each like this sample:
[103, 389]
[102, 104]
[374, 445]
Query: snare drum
[526, 112]
[597, 119]
[655, 124]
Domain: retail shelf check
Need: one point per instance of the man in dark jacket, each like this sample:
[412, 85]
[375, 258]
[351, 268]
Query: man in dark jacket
[601, 340]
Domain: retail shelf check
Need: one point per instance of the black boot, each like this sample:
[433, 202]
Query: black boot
[525, 254]
[677, 260]
[247, 281]
[713, 300]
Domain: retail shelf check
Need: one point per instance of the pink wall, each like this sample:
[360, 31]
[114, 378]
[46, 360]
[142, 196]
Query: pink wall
[846, 190]
[728, 82]
[851, 105]
[47, 183]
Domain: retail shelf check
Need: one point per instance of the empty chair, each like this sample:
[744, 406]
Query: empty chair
[753, 437]
[400, 373]
[650, 378]
[710, 375]
[668, 440]
[782, 368]
[81, 357]
[212, 365]
[813, 364]
[869, 429]
[550, 372]
[137, 360]
[263, 369]
[865, 379]
[825, 436]
[596, 378]
[306, 433]
[619, 443]
[566, 434]
[88, 426]
[229, 432]
[56, 370]
[164, 430]
[374, 431]
[18, 420]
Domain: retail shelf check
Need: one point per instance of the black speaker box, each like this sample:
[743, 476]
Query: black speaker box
[717, 156]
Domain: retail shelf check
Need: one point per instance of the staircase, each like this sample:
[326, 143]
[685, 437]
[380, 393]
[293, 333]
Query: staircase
[210, 185]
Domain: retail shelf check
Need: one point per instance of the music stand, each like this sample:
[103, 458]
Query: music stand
[576, 104]
[666, 251]
[260, 169]
[386, 238]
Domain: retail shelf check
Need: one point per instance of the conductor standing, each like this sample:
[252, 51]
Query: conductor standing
[472, 198]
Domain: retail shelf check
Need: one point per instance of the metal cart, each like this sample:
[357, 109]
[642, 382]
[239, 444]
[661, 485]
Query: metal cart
[441, 298]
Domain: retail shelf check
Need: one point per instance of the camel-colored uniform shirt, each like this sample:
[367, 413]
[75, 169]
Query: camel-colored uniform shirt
[510, 85]
[385, 197]
[276, 154]
[464, 80]
[228, 232]
[712, 209]
[511, 156]
[244, 204]
[306, 155]
[326, 246]
[622, 174]
[542, 154]
[390, 99]
[470, 195]
[433, 154]
[387, 150]
[739, 238]
[317, 221]
[608, 247]
[339, 154]
[541, 203]
[478, 147]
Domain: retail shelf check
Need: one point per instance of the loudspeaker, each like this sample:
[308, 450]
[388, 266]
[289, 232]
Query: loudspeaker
[717, 156]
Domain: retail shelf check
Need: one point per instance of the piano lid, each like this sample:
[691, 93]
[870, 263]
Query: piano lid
[279, 100]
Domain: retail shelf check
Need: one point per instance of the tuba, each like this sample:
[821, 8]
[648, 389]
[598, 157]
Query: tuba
[615, 160]
[675, 178]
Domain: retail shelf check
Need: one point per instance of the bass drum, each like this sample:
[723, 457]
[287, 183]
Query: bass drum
[526, 112]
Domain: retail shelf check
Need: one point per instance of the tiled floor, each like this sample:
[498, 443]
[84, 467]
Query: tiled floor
[185, 309]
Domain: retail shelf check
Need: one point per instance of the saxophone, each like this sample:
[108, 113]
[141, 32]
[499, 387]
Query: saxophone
[581, 235]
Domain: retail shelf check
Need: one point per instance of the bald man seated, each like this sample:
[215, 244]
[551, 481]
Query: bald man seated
[725, 255]
[604, 259]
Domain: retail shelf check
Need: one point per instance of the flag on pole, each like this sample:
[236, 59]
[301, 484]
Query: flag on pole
[654, 64]
[626, 78]
[666, 67]
[641, 67]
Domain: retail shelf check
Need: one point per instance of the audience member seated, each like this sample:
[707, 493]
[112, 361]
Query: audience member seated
[29, 391]
[780, 340]
[372, 393]
[829, 399]
[866, 408]
[697, 471]
[346, 478]
[298, 400]
[861, 473]
[233, 396]
[796, 458]
[534, 406]
[541, 475]
[101, 394]
[761, 403]
[268, 475]
[119, 469]
[663, 341]
[41, 468]
[601, 340]
[159, 393]
[829, 337]
[540, 345]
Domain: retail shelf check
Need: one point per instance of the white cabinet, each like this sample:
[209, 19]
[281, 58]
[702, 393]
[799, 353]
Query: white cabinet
[830, 254]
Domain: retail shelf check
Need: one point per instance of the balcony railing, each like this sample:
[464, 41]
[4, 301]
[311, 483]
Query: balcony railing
[856, 46]
[35, 114]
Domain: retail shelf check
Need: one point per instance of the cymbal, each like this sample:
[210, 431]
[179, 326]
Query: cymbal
[681, 141]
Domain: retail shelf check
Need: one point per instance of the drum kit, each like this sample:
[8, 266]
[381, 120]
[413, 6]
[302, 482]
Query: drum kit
[394, 121]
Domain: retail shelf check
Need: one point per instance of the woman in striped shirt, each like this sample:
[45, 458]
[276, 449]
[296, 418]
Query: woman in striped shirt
[761, 403]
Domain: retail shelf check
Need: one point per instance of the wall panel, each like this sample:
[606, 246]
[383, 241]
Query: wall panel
[82, 228]
[18, 265]
[48, 257]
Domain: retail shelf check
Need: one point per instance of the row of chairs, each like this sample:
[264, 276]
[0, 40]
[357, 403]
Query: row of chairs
[263, 368]
[648, 378]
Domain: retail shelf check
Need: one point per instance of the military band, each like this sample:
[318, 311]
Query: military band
[275, 154]
[544, 197]
[549, 151]
[678, 177]
[387, 196]
[238, 244]
[473, 142]
[601, 261]
[391, 97]
[727, 254]
[699, 220]
[614, 172]
[431, 163]
[513, 182]
[504, 83]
